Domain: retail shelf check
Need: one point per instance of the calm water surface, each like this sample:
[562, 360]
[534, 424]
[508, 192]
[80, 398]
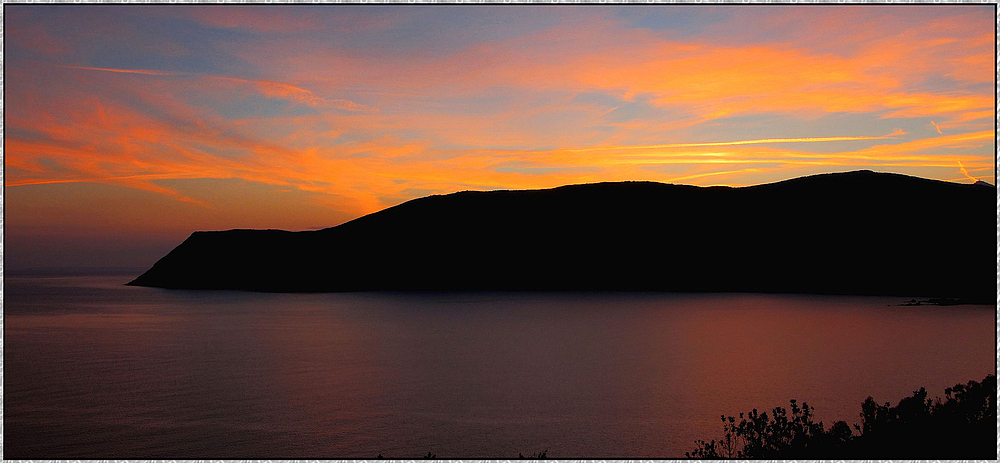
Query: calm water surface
[97, 369]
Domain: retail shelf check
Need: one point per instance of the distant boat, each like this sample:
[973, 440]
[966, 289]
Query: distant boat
[845, 233]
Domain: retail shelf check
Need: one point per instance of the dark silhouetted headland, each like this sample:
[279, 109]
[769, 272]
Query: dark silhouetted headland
[859, 232]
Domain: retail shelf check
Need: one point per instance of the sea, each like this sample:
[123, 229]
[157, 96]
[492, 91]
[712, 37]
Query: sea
[96, 369]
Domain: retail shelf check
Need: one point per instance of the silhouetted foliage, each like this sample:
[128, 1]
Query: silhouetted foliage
[757, 435]
[430, 456]
[961, 426]
[964, 423]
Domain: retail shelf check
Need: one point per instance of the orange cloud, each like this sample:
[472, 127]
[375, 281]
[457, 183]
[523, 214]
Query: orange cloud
[496, 114]
[966, 173]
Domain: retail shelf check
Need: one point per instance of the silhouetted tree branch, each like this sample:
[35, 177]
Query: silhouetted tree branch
[962, 425]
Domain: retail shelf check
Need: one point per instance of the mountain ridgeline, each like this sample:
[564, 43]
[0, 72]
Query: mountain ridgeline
[859, 233]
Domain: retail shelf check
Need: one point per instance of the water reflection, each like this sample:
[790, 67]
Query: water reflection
[98, 369]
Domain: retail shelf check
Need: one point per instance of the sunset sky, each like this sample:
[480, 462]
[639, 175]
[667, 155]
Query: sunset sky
[129, 127]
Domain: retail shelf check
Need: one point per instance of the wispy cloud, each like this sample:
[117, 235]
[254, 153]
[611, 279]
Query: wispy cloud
[145, 72]
[376, 115]
[267, 88]
[738, 142]
[966, 172]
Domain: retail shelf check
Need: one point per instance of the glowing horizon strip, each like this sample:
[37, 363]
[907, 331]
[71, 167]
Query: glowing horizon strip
[795, 155]
[733, 143]
[816, 162]
[713, 174]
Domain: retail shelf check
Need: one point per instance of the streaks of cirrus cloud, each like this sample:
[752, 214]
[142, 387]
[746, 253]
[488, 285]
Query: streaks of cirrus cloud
[295, 116]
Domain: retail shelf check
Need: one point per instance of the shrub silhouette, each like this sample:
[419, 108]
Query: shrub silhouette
[779, 435]
[961, 426]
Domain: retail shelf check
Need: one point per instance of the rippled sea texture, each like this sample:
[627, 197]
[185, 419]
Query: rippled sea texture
[97, 369]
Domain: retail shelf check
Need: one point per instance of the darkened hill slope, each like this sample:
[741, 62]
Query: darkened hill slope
[848, 233]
